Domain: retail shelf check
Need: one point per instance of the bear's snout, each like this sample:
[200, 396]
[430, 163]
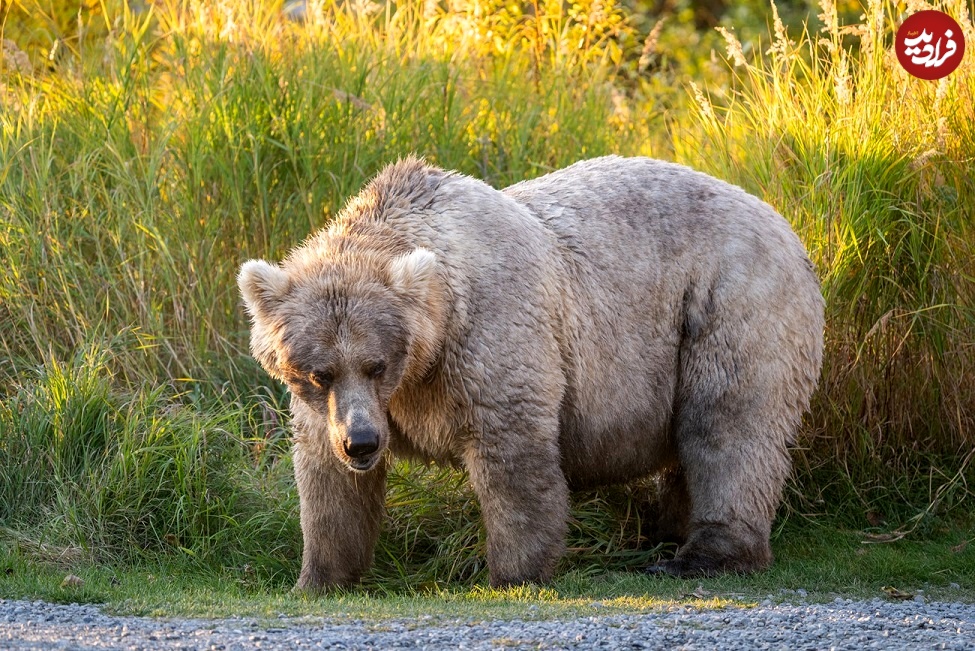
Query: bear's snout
[360, 442]
[356, 427]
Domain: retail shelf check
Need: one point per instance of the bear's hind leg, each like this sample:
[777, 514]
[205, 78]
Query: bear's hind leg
[734, 460]
[743, 383]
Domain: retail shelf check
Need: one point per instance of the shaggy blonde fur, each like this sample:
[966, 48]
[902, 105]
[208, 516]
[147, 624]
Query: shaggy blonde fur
[612, 320]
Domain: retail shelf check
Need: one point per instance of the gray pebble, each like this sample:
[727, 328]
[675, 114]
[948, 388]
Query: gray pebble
[842, 624]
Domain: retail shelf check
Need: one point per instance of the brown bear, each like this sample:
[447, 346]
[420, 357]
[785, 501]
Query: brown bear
[620, 318]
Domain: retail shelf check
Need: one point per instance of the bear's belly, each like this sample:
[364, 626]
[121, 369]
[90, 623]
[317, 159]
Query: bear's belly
[599, 456]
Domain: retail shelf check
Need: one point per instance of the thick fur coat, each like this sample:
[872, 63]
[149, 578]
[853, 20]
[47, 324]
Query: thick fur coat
[619, 318]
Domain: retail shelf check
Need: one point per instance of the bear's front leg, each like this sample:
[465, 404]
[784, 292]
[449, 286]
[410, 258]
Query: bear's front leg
[524, 501]
[341, 511]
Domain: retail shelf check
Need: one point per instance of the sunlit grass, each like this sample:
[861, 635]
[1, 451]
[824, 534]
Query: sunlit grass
[815, 564]
[214, 131]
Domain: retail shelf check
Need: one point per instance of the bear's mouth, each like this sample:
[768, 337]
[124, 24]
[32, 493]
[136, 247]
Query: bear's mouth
[363, 464]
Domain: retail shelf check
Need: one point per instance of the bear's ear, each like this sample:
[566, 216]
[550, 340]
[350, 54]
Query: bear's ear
[413, 274]
[262, 285]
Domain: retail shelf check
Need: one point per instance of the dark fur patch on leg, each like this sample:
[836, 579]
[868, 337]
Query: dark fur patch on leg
[670, 513]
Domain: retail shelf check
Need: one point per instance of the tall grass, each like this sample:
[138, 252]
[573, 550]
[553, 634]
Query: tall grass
[136, 180]
[167, 146]
[99, 474]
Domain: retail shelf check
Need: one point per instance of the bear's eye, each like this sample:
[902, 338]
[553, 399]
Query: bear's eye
[321, 379]
[375, 369]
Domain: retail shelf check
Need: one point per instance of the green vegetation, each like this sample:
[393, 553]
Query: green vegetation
[148, 153]
[815, 563]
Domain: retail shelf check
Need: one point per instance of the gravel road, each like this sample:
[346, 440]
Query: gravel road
[843, 624]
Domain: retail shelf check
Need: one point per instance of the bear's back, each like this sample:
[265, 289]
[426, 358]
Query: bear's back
[655, 253]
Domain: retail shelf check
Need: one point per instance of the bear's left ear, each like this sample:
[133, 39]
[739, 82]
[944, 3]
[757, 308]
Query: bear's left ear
[413, 274]
[262, 286]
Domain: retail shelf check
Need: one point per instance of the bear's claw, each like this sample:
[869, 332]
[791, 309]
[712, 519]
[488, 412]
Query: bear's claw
[684, 568]
[662, 568]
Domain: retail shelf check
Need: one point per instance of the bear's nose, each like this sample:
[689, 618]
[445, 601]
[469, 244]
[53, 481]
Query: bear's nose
[361, 441]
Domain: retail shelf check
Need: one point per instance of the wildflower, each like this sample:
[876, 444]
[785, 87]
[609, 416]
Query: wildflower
[734, 47]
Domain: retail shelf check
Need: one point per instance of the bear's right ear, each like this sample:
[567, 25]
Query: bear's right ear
[412, 274]
[262, 286]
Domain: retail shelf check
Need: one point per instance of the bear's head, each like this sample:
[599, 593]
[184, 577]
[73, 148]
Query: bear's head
[344, 331]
